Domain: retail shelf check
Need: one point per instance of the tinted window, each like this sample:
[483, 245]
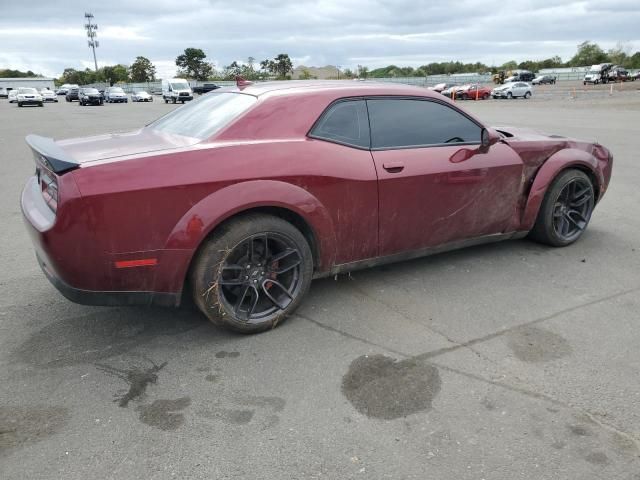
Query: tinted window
[345, 122]
[406, 123]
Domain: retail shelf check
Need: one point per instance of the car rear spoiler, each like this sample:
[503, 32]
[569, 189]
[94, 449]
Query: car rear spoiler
[47, 152]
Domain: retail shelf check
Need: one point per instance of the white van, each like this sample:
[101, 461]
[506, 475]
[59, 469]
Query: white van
[176, 90]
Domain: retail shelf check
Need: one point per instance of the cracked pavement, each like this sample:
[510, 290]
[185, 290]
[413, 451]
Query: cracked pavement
[501, 361]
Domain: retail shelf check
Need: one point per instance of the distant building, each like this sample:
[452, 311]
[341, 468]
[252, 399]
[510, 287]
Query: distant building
[34, 82]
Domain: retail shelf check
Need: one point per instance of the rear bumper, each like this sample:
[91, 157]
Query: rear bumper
[66, 253]
[92, 297]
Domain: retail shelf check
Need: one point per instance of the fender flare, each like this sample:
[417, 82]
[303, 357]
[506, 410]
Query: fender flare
[203, 217]
[558, 162]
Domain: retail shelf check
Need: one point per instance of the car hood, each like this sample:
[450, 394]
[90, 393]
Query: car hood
[116, 145]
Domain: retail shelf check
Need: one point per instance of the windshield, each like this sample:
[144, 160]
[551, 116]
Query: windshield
[91, 90]
[139, 91]
[179, 86]
[27, 90]
[205, 116]
[594, 70]
[116, 90]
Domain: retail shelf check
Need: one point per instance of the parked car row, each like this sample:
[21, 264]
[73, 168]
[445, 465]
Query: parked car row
[93, 96]
[475, 91]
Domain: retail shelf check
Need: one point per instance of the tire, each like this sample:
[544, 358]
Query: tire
[166, 101]
[485, 96]
[546, 229]
[509, 95]
[226, 251]
[465, 96]
[527, 95]
[19, 104]
[41, 104]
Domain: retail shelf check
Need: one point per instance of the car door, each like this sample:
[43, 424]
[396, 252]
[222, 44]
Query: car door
[436, 183]
[522, 89]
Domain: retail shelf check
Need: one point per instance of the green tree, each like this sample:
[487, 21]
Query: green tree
[113, 74]
[231, 71]
[79, 77]
[588, 54]
[142, 70]
[8, 73]
[618, 55]
[280, 66]
[363, 71]
[192, 64]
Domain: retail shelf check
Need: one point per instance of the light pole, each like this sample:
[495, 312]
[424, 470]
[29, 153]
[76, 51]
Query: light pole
[91, 33]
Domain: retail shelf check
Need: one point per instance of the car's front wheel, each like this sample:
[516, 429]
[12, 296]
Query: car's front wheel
[252, 273]
[566, 209]
[509, 95]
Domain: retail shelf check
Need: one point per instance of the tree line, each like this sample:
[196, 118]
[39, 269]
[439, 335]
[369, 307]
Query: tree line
[588, 53]
[193, 64]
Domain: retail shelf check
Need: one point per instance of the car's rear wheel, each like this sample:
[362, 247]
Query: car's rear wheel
[527, 95]
[566, 209]
[485, 96]
[252, 273]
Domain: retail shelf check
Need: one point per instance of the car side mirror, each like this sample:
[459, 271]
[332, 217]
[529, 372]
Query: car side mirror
[488, 137]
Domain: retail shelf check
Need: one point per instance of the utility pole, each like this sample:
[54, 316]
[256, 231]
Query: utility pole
[91, 33]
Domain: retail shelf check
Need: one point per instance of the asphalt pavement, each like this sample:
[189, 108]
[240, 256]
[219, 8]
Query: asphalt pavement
[501, 361]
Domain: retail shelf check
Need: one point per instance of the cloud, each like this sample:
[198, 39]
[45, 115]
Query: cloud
[313, 33]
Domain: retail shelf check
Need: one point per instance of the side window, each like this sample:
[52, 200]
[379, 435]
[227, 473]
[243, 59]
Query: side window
[344, 122]
[413, 123]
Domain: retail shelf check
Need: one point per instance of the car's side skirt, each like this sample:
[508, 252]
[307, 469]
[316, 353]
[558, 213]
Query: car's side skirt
[423, 252]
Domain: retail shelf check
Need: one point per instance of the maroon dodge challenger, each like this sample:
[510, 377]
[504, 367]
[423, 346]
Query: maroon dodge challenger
[240, 198]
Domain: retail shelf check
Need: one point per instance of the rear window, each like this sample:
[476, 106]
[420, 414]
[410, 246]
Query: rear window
[205, 116]
[344, 122]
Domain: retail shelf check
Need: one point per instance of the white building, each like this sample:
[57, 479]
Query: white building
[34, 82]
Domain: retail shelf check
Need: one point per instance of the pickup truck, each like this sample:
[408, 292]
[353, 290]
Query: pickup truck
[205, 88]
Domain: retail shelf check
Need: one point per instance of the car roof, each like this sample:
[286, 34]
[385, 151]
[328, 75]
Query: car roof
[340, 87]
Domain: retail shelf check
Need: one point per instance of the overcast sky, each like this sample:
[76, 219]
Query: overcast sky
[46, 37]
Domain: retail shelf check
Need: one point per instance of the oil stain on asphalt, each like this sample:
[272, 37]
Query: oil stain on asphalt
[533, 344]
[381, 387]
[137, 378]
[164, 414]
[21, 426]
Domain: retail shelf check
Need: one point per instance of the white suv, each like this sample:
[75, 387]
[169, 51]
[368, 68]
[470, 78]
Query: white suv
[512, 90]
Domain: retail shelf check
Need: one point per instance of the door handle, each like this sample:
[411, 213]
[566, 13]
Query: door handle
[393, 167]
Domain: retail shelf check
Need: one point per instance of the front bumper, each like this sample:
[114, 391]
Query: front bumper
[30, 101]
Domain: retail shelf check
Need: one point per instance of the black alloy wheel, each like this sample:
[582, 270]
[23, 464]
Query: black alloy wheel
[572, 209]
[252, 273]
[260, 277]
[566, 209]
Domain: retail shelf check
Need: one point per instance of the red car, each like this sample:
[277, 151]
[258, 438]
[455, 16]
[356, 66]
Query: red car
[240, 198]
[474, 92]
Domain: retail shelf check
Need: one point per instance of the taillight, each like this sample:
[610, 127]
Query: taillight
[49, 186]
